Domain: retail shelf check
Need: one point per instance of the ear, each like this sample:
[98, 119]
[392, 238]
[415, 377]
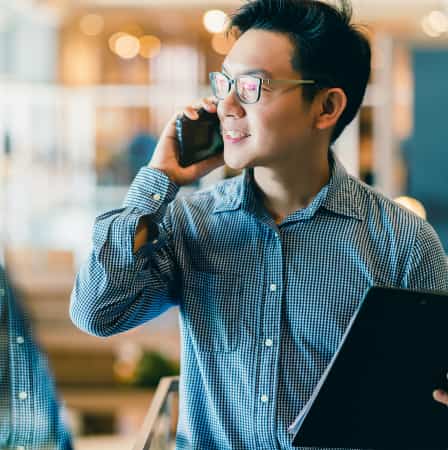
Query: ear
[331, 104]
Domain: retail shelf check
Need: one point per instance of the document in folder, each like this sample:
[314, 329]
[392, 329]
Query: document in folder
[376, 393]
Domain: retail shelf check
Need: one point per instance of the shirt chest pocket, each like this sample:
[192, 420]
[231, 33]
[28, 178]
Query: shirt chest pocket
[211, 309]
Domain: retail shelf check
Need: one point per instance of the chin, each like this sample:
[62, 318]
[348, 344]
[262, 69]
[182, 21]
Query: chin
[237, 159]
[237, 163]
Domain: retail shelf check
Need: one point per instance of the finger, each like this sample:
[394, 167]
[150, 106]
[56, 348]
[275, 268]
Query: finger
[441, 396]
[191, 112]
[209, 104]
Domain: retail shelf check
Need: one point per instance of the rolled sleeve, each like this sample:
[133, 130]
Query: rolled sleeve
[117, 289]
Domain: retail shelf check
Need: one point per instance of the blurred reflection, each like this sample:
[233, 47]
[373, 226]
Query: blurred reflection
[30, 415]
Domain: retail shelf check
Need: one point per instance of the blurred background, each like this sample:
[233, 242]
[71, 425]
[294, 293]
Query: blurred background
[86, 87]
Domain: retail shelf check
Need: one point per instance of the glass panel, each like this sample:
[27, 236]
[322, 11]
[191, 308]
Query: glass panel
[164, 437]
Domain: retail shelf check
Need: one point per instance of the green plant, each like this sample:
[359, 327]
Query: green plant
[153, 366]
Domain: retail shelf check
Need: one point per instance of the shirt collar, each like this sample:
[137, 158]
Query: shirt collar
[337, 196]
[343, 192]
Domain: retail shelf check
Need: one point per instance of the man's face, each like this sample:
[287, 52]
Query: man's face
[280, 124]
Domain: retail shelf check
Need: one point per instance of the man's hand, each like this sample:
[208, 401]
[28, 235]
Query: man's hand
[441, 396]
[165, 158]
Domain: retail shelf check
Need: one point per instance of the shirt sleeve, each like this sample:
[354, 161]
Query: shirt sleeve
[35, 421]
[428, 264]
[117, 289]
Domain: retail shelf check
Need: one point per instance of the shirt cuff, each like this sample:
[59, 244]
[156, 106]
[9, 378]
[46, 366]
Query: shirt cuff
[150, 192]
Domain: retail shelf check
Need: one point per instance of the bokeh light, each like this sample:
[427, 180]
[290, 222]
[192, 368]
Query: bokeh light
[215, 21]
[149, 46]
[413, 205]
[124, 45]
[127, 46]
[114, 38]
[435, 24]
[91, 24]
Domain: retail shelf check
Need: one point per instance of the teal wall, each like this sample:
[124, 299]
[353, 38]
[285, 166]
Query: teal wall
[427, 152]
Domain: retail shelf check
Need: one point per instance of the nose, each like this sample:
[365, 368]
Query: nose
[230, 106]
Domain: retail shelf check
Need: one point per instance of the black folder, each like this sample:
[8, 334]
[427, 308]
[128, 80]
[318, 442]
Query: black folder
[376, 392]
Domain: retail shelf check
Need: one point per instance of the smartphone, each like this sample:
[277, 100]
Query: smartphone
[198, 139]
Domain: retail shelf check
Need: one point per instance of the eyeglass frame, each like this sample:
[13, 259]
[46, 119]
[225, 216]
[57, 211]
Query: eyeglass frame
[267, 81]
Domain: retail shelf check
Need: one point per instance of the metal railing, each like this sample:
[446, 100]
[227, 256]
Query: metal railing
[158, 431]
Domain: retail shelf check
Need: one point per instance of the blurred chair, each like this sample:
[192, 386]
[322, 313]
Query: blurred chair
[158, 431]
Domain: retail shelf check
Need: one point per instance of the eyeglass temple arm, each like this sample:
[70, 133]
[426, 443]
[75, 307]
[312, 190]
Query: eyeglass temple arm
[268, 82]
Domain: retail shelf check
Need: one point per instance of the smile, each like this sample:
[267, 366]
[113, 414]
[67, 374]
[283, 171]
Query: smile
[234, 136]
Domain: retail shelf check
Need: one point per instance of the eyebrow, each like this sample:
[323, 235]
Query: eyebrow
[250, 72]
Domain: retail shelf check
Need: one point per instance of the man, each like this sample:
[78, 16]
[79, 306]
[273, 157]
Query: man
[268, 267]
[30, 416]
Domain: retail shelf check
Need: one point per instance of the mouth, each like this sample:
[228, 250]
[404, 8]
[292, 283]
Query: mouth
[234, 136]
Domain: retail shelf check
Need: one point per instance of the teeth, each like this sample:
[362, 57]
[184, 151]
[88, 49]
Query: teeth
[235, 134]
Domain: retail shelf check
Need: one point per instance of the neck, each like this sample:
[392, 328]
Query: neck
[293, 186]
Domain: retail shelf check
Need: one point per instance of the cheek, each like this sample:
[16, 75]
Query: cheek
[276, 125]
[289, 122]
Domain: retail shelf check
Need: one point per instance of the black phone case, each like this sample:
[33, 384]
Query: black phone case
[198, 139]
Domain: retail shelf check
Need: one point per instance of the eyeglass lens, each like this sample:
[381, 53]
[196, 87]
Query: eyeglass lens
[247, 87]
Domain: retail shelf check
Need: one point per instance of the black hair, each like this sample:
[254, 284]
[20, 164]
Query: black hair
[328, 48]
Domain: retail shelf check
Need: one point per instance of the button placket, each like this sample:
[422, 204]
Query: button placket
[269, 355]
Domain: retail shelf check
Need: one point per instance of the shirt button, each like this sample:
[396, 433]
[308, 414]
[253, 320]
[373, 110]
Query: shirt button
[23, 395]
[155, 241]
[273, 287]
[156, 197]
[268, 342]
[264, 398]
[20, 340]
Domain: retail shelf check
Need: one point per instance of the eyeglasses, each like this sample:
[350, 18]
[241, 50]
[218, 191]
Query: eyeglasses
[248, 87]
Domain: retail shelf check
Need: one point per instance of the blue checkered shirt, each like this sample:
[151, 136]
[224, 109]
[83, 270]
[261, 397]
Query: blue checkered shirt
[30, 416]
[262, 306]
